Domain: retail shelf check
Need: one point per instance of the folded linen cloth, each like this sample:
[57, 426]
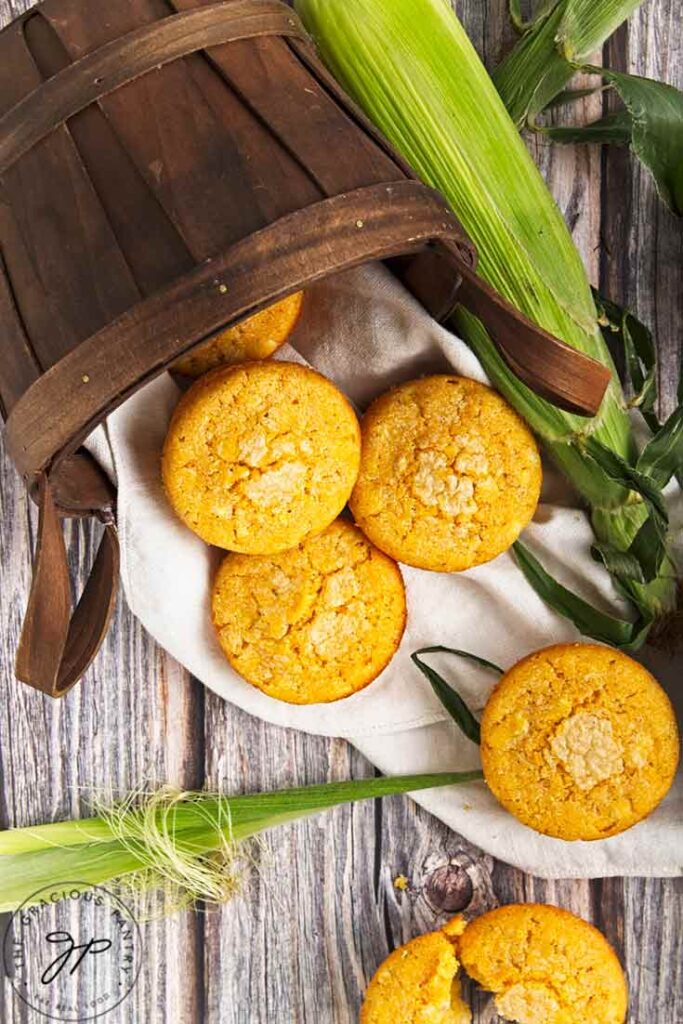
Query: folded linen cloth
[365, 332]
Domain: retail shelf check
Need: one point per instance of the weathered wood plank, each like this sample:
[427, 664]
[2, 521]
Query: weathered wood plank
[642, 265]
[135, 720]
[321, 910]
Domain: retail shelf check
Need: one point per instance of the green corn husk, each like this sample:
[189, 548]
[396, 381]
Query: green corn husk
[562, 35]
[187, 845]
[411, 67]
[557, 42]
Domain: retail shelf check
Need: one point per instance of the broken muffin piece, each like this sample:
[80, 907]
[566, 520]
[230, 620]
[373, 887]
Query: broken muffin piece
[418, 983]
[544, 966]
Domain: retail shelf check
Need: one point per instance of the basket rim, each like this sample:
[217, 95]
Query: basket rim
[375, 222]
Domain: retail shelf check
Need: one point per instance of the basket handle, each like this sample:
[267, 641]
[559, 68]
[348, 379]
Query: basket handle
[57, 643]
[564, 376]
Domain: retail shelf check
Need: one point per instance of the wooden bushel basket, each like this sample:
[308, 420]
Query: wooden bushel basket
[168, 167]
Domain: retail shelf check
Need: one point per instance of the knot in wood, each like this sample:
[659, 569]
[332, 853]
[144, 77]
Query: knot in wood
[448, 889]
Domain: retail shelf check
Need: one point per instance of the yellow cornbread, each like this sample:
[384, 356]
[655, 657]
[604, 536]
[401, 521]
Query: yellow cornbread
[545, 966]
[449, 476]
[255, 338]
[418, 984]
[260, 456]
[579, 741]
[312, 624]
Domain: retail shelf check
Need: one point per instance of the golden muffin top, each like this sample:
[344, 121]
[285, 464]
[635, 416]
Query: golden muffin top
[579, 741]
[257, 337]
[312, 624]
[260, 456]
[449, 476]
[545, 966]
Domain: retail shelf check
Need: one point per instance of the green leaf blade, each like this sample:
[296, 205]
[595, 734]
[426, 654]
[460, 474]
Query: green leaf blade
[586, 24]
[662, 457]
[588, 620]
[628, 476]
[656, 111]
[546, 57]
[449, 697]
[614, 128]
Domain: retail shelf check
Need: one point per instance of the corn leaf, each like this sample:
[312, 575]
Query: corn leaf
[535, 70]
[619, 563]
[615, 129]
[648, 545]
[628, 476]
[557, 43]
[656, 111]
[590, 621]
[586, 24]
[554, 45]
[649, 548]
[662, 457]
[652, 123]
[450, 698]
[622, 327]
[569, 96]
[520, 23]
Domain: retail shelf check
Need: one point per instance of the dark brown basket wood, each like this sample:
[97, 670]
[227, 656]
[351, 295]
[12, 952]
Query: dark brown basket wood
[165, 170]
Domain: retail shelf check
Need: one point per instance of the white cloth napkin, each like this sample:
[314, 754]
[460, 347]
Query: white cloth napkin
[366, 333]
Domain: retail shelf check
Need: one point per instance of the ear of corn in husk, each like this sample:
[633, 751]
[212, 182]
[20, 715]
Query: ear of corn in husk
[186, 845]
[411, 67]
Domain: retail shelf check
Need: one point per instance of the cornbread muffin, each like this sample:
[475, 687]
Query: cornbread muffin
[255, 338]
[260, 456]
[545, 966]
[313, 624]
[579, 741]
[418, 983]
[449, 476]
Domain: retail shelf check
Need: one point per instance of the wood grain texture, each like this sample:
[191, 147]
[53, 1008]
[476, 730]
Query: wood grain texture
[321, 911]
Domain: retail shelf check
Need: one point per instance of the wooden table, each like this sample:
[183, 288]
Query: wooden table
[322, 912]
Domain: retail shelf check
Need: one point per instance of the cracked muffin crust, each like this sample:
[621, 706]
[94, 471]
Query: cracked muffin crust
[418, 983]
[579, 741]
[260, 456]
[544, 966]
[449, 477]
[315, 623]
[257, 337]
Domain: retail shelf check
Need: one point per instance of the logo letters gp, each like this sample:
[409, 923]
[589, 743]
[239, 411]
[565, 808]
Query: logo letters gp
[78, 952]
